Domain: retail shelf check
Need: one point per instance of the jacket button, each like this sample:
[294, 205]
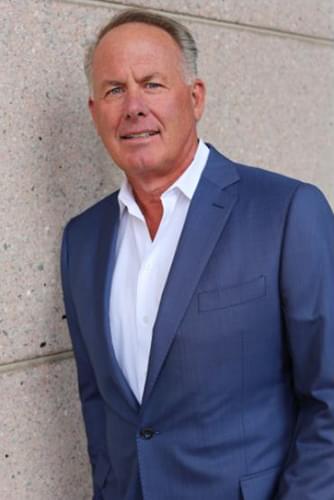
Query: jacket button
[146, 433]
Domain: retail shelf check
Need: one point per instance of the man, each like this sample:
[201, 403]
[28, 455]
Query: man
[200, 297]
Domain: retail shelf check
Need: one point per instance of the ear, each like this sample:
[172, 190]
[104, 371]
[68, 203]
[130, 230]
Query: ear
[91, 106]
[94, 114]
[198, 97]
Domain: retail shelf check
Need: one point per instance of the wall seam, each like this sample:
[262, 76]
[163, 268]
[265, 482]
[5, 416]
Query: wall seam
[262, 30]
[34, 362]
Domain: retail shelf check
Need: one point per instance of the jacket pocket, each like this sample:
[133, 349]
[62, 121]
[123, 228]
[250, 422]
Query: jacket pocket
[232, 296]
[261, 485]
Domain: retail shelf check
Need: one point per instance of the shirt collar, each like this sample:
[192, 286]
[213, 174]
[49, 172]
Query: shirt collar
[186, 183]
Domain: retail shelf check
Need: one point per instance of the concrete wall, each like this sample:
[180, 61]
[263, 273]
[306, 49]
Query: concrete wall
[269, 66]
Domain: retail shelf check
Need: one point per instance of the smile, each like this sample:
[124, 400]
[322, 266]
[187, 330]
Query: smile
[140, 135]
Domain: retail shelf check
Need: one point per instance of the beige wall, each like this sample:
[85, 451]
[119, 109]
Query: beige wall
[269, 66]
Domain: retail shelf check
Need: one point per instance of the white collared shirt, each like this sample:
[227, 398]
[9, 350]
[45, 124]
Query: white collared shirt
[142, 267]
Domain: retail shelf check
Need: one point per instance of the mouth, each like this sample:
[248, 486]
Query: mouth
[140, 135]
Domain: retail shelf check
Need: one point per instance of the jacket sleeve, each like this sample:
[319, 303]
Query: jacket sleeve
[307, 287]
[91, 401]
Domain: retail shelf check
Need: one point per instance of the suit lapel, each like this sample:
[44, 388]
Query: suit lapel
[106, 257]
[210, 208]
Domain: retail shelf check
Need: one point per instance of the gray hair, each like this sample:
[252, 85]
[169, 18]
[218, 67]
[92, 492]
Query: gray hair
[180, 34]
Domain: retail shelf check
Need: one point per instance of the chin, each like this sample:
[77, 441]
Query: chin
[142, 165]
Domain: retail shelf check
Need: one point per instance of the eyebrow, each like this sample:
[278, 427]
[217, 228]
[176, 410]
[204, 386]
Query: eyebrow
[146, 78]
[151, 76]
[106, 83]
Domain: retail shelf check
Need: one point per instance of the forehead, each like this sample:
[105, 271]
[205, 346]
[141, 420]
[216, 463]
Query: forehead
[136, 44]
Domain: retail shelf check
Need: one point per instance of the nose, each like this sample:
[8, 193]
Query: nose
[134, 105]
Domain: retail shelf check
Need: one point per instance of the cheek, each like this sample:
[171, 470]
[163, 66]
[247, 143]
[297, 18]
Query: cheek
[106, 120]
[182, 121]
[176, 116]
[185, 110]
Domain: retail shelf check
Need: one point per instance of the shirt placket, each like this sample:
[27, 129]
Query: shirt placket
[144, 321]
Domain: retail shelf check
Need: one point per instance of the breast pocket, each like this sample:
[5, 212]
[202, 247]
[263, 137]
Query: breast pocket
[232, 296]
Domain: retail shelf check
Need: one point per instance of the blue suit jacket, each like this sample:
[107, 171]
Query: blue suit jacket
[239, 396]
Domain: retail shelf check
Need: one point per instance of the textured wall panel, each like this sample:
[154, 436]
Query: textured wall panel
[42, 443]
[308, 17]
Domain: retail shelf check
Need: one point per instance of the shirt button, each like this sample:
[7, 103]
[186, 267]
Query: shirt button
[145, 320]
[147, 433]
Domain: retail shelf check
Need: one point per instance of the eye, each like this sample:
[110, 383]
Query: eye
[114, 91]
[153, 85]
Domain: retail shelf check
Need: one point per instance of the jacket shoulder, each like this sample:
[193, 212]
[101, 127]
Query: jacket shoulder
[262, 180]
[267, 184]
[265, 188]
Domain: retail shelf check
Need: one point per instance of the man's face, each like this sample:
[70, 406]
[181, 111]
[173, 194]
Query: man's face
[143, 109]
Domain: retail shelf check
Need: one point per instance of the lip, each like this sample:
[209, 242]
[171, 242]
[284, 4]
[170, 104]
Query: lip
[135, 135]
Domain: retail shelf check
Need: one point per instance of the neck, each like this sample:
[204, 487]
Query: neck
[148, 198]
[152, 209]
